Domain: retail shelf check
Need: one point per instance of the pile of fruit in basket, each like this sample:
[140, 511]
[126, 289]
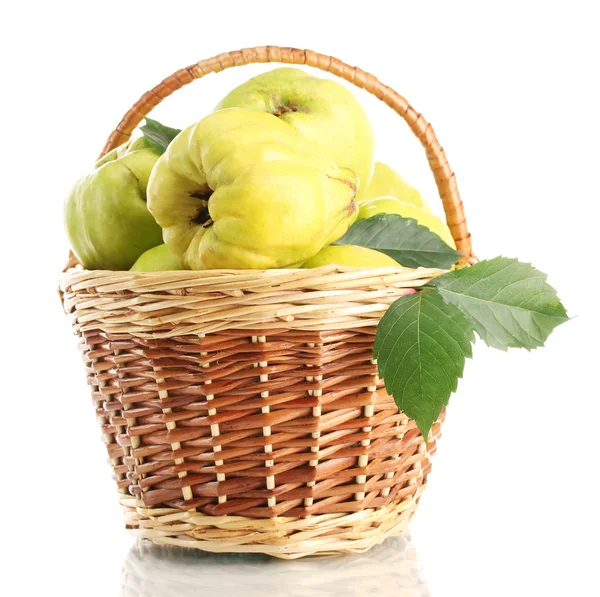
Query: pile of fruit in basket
[271, 179]
[282, 175]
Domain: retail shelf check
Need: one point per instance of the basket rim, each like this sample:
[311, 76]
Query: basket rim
[77, 277]
[169, 304]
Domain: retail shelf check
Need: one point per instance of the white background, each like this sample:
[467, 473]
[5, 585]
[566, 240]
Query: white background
[511, 89]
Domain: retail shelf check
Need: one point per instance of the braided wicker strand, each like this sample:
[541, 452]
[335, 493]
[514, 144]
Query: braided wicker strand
[443, 175]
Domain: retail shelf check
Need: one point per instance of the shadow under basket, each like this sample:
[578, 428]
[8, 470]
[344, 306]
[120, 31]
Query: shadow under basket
[242, 410]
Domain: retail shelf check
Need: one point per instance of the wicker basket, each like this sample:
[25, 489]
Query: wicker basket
[241, 410]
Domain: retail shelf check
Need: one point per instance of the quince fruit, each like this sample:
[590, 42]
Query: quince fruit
[106, 217]
[386, 182]
[123, 149]
[350, 256]
[157, 259]
[242, 189]
[321, 110]
[391, 205]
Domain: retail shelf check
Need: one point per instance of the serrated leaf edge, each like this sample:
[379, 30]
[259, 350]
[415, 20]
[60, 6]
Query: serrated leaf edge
[450, 384]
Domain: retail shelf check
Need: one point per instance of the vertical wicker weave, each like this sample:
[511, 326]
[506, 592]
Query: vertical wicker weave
[242, 411]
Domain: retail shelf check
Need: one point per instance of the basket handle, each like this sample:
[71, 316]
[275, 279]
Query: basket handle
[444, 177]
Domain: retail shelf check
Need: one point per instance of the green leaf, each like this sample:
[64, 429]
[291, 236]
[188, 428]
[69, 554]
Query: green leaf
[509, 303]
[409, 243]
[158, 135]
[420, 346]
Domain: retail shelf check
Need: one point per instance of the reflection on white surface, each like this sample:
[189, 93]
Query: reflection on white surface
[391, 569]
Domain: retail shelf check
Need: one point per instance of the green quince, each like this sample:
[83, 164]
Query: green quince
[387, 182]
[157, 259]
[321, 110]
[242, 189]
[350, 256]
[123, 149]
[106, 217]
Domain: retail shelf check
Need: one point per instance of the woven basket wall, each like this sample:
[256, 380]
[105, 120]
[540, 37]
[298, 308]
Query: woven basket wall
[242, 409]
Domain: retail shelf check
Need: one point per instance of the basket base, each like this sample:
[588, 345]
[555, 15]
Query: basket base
[282, 537]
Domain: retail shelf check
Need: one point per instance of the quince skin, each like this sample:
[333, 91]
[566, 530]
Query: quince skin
[321, 110]
[242, 189]
[123, 149]
[386, 182]
[106, 217]
[157, 259]
[350, 256]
